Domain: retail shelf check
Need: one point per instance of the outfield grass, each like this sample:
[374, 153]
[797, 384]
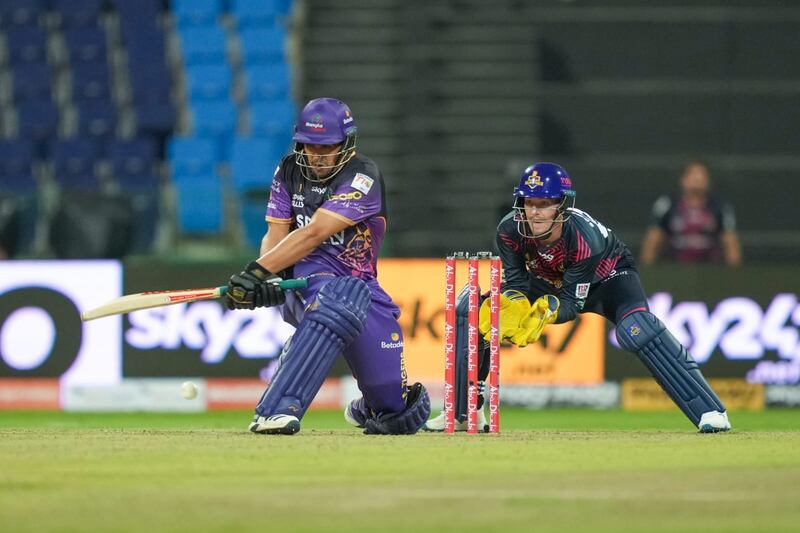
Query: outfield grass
[555, 470]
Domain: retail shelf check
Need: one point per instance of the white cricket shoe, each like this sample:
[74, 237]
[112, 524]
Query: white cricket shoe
[714, 422]
[275, 424]
[437, 423]
[351, 419]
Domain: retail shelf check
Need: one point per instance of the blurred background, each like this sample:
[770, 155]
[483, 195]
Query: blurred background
[146, 132]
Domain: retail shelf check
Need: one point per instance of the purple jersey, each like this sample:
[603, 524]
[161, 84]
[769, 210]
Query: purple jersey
[355, 195]
[587, 254]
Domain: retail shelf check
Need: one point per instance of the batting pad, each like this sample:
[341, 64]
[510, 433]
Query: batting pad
[332, 321]
[670, 363]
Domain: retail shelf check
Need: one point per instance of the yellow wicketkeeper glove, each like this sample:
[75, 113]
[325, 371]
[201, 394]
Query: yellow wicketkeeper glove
[514, 306]
[543, 311]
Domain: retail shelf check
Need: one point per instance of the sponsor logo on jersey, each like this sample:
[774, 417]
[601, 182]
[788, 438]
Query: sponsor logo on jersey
[582, 290]
[548, 257]
[396, 342]
[355, 195]
[319, 190]
[362, 182]
[298, 200]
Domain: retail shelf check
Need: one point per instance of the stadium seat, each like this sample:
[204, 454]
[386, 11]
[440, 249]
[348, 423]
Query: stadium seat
[16, 165]
[132, 159]
[37, 121]
[199, 200]
[20, 12]
[208, 82]
[255, 12]
[77, 12]
[90, 81]
[272, 118]
[189, 156]
[156, 118]
[96, 118]
[252, 208]
[202, 45]
[31, 82]
[214, 118]
[267, 82]
[196, 12]
[73, 158]
[263, 45]
[253, 162]
[26, 44]
[86, 44]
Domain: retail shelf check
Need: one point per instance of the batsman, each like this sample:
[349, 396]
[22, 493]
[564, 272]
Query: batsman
[559, 261]
[326, 219]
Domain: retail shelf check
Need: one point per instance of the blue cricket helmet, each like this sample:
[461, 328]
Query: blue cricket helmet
[543, 180]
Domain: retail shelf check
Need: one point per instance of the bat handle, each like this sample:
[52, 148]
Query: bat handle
[299, 283]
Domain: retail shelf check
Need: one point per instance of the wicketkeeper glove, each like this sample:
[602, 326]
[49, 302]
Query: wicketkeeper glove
[544, 311]
[254, 287]
[514, 307]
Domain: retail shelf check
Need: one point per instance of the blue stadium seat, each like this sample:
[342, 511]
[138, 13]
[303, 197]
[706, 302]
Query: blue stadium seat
[203, 45]
[133, 160]
[189, 156]
[196, 12]
[208, 82]
[252, 208]
[96, 118]
[263, 45]
[86, 44]
[199, 204]
[139, 10]
[272, 118]
[31, 81]
[37, 121]
[157, 118]
[255, 12]
[253, 162]
[77, 12]
[90, 81]
[16, 165]
[26, 44]
[267, 82]
[73, 161]
[214, 118]
[20, 12]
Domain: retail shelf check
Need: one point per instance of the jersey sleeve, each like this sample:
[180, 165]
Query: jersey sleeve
[515, 275]
[659, 214]
[355, 200]
[279, 207]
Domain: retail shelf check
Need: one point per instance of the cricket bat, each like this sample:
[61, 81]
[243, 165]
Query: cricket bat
[146, 300]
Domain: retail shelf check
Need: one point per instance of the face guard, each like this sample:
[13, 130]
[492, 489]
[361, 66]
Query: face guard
[328, 122]
[543, 180]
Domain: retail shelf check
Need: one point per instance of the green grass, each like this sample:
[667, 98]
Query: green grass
[555, 470]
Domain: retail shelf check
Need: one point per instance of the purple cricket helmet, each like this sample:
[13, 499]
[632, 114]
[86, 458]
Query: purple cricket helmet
[543, 180]
[328, 122]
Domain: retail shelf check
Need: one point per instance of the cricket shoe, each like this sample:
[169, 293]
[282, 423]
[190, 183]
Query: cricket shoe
[355, 413]
[714, 422]
[437, 423]
[275, 424]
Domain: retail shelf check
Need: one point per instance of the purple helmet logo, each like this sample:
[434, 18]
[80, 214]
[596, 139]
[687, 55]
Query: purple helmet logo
[325, 122]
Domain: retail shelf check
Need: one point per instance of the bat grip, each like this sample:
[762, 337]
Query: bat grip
[286, 284]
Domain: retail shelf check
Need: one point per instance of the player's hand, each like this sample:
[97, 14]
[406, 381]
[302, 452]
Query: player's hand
[544, 311]
[254, 287]
[514, 306]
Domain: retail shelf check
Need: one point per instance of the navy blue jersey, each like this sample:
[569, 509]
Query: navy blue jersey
[586, 254]
[355, 195]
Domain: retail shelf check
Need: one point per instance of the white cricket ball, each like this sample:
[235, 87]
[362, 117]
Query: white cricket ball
[189, 390]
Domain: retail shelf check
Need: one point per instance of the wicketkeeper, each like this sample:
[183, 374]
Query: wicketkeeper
[558, 261]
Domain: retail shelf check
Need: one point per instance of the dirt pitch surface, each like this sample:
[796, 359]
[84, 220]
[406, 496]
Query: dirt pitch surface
[555, 470]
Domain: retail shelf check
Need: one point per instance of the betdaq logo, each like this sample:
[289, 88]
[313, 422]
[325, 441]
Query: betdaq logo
[738, 326]
[209, 328]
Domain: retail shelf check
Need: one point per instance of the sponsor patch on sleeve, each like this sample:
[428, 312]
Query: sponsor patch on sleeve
[582, 290]
[362, 182]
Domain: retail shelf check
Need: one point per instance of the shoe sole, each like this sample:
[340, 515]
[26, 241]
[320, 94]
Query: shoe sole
[289, 429]
[708, 428]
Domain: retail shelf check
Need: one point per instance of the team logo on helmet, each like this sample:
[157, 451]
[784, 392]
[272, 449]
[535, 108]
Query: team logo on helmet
[316, 122]
[534, 180]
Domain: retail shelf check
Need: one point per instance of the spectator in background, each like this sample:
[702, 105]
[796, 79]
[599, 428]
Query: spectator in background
[693, 226]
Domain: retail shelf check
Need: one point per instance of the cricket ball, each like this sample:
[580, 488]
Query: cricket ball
[188, 390]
